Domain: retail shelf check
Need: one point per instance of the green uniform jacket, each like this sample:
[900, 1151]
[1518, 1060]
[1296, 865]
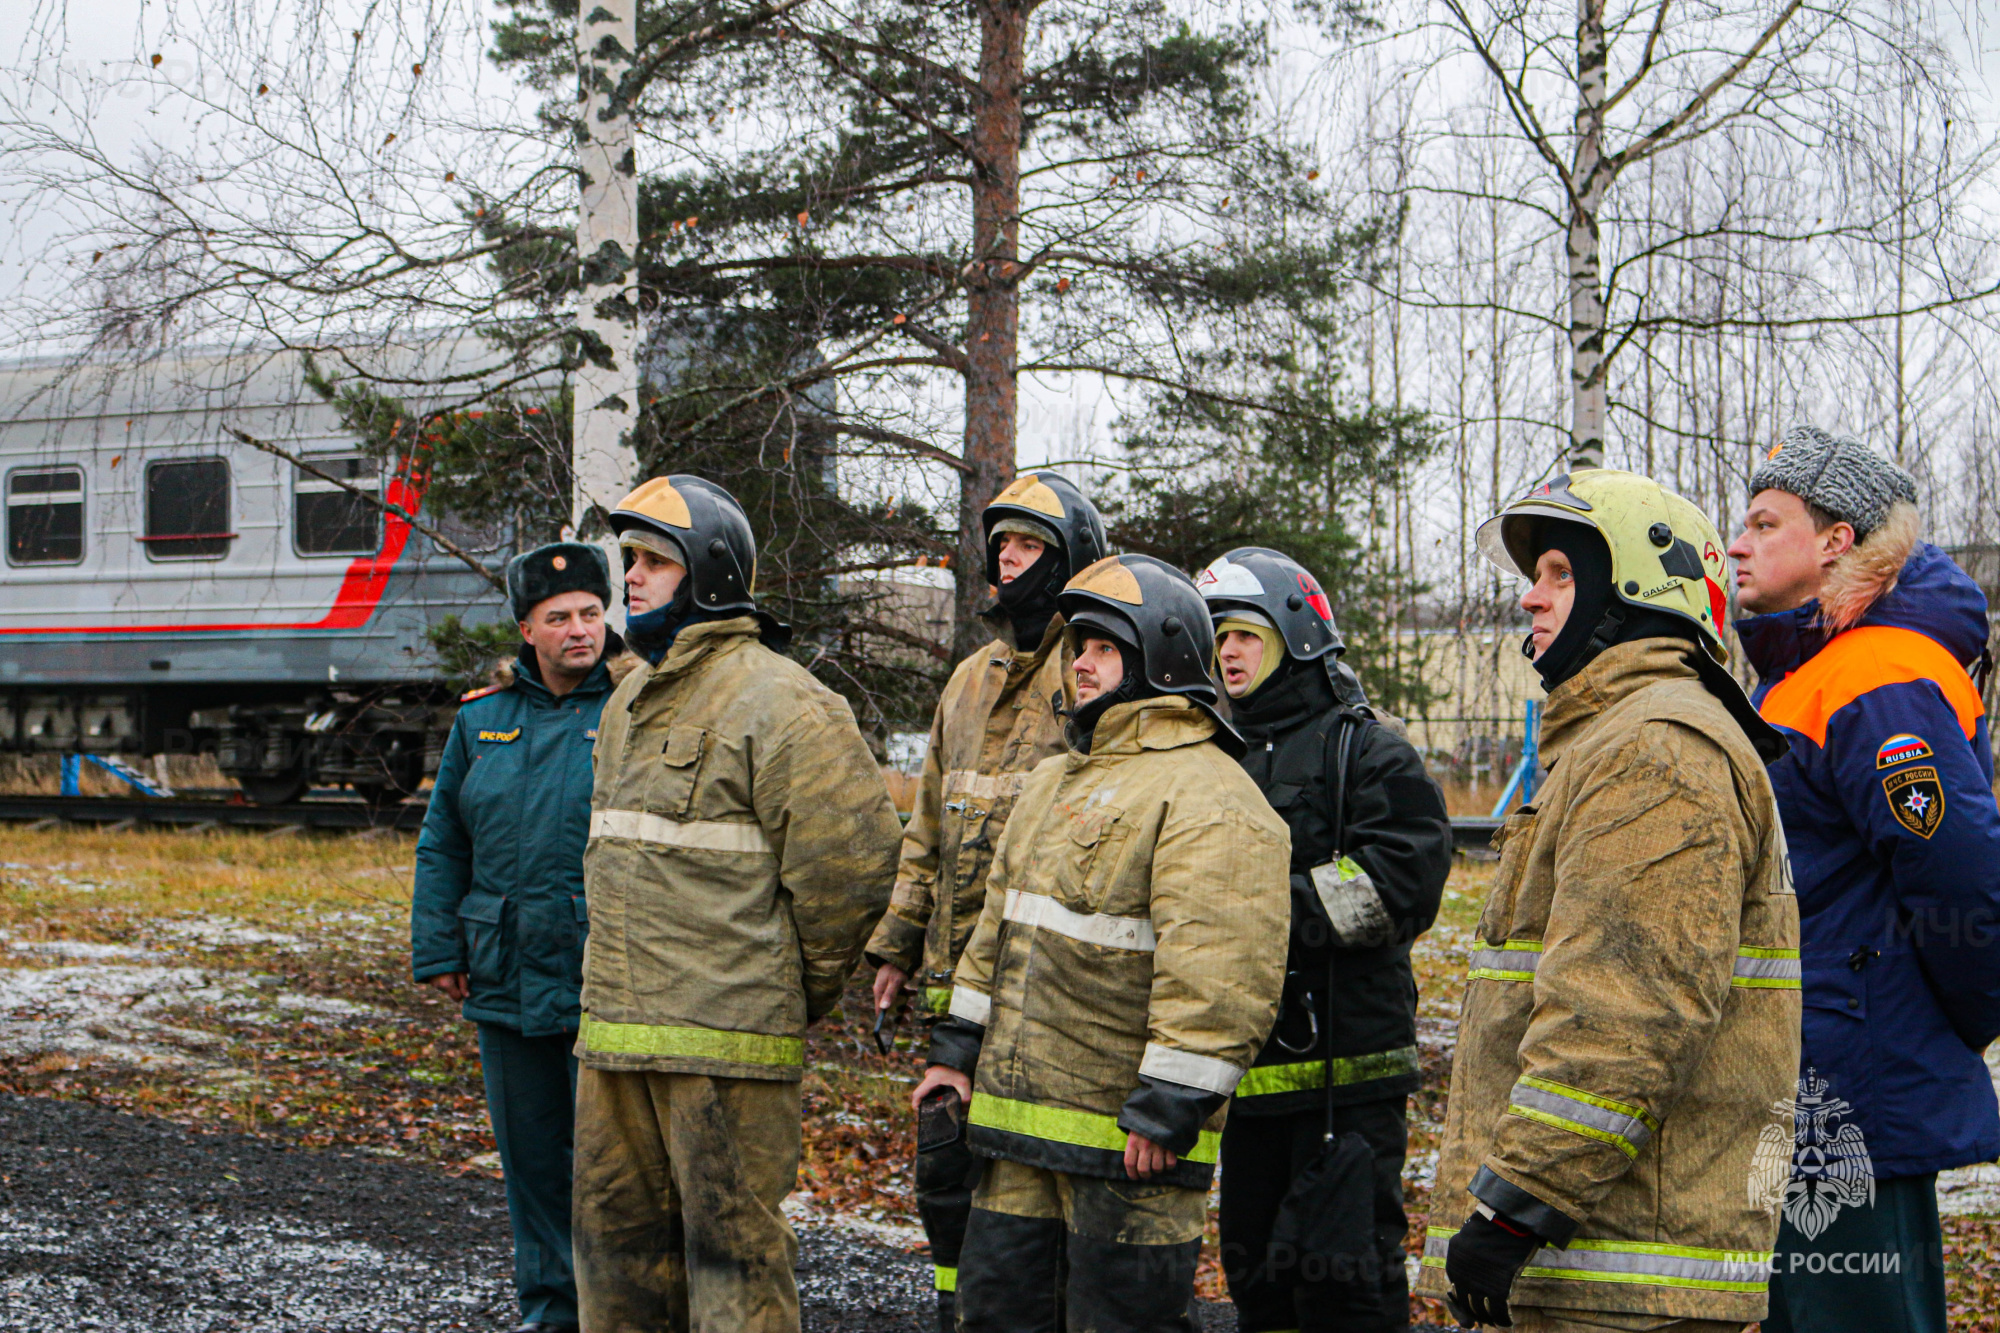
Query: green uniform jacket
[499, 883]
[1629, 1043]
[1129, 959]
[996, 720]
[742, 845]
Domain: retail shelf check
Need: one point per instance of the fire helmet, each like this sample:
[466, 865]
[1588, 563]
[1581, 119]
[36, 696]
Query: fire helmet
[698, 525]
[1046, 505]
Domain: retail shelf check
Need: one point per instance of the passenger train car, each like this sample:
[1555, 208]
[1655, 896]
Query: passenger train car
[168, 589]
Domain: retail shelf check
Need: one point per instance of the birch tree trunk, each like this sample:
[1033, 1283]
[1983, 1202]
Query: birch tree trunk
[993, 302]
[606, 408]
[1590, 178]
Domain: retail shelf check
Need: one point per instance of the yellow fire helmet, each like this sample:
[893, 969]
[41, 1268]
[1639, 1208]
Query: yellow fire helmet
[1665, 554]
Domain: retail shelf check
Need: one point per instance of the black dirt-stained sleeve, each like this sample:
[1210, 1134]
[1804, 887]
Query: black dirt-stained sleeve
[1398, 831]
[1170, 1114]
[955, 1044]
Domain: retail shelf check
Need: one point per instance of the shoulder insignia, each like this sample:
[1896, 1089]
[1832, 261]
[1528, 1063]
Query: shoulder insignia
[590, 733]
[470, 695]
[503, 737]
[1916, 799]
[1901, 750]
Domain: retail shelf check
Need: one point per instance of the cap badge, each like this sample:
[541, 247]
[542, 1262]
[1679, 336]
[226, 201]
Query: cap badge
[560, 562]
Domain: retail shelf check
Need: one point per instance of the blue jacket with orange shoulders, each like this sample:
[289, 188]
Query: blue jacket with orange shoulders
[1887, 800]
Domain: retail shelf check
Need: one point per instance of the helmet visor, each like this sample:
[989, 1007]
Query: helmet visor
[1507, 540]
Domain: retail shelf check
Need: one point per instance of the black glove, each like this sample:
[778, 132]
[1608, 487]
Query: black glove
[1481, 1263]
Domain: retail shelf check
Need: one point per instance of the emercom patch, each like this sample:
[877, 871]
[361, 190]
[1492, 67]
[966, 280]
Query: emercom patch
[1916, 799]
[1901, 750]
[501, 736]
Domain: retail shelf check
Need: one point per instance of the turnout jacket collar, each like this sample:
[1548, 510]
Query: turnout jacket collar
[995, 721]
[1163, 722]
[1614, 676]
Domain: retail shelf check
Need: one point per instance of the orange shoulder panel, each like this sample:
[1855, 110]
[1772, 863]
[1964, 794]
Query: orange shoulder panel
[1861, 660]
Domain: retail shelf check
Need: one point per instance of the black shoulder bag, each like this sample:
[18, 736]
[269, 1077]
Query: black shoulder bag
[1327, 1219]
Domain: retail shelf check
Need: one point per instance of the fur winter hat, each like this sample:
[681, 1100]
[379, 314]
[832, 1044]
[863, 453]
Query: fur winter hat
[1843, 477]
[560, 567]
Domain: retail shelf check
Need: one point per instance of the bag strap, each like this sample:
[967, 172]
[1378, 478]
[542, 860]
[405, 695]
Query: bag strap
[1340, 742]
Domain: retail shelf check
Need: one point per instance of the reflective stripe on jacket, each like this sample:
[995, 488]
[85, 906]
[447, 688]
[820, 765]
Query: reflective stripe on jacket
[741, 848]
[1629, 1038]
[996, 720]
[1123, 969]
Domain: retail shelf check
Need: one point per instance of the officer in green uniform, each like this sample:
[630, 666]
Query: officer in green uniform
[497, 919]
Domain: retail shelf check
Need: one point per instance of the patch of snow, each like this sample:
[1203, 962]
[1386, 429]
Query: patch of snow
[219, 931]
[78, 949]
[800, 1209]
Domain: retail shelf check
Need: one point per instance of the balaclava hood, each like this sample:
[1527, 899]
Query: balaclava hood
[1029, 601]
[1083, 722]
[1598, 618]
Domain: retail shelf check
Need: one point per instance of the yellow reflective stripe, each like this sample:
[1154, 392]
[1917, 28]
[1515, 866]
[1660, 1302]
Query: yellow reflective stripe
[1636, 1262]
[946, 1279]
[746, 1048]
[700, 835]
[1626, 1128]
[1310, 1075]
[1514, 960]
[937, 999]
[1768, 969]
[1057, 1124]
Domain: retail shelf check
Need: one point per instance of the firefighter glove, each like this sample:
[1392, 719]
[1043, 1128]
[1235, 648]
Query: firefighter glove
[1481, 1263]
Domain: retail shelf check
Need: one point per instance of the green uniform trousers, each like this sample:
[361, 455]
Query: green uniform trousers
[1875, 1268]
[531, 1096]
[677, 1221]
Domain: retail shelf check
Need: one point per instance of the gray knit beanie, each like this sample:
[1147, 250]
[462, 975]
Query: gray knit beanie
[1841, 476]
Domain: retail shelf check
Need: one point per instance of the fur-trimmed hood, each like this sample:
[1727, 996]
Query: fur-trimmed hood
[1868, 571]
[1890, 579]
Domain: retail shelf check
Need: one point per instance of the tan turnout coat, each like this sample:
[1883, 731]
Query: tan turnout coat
[741, 847]
[996, 720]
[1128, 929]
[1630, 1035]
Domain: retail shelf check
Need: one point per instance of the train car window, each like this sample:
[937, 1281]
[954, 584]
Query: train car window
[330, 520]
[45, 516]
[187, 509]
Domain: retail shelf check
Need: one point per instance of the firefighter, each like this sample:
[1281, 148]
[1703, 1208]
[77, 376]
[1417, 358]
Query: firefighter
[1371, 847]
[1119, 981]
[497, 912]
[742, 845]
[1630, 1030]
[998, 718]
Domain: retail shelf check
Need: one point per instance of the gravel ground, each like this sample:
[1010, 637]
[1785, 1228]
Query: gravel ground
[117, 1222]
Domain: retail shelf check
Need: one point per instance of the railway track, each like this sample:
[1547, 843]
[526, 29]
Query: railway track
[327, 812]
[1468, 833]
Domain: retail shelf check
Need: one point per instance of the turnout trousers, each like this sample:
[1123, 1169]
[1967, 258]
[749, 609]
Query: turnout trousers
[531, 1097]
[1533, 1319]
[1117, 1255]
[679, 1178]
[1275, 1291]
